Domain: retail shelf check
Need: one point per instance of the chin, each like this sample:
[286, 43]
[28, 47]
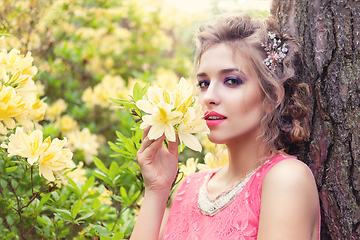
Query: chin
[216, 140]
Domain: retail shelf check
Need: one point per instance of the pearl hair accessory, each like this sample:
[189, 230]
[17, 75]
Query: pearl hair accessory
[275, 52]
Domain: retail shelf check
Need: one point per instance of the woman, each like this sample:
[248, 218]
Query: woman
[247, 74]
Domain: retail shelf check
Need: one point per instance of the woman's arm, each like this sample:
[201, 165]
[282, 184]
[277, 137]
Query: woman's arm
[158, 167]
[289, 203]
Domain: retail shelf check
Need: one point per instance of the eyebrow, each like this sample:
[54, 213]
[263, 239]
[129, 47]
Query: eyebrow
[223, 71]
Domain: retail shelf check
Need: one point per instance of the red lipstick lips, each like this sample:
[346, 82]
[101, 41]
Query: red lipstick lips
[213, 118]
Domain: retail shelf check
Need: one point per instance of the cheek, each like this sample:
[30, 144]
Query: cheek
[253, 101]
[201, 100]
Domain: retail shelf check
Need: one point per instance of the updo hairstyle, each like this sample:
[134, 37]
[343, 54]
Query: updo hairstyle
[286, 119]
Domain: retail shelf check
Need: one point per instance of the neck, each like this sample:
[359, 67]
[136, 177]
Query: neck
[244, 156]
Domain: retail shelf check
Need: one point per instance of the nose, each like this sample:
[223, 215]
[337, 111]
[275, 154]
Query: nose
[211, 95]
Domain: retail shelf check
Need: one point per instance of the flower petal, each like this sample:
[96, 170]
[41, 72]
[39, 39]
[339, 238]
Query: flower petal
[169, 132]
[190, 141]
[156, 131]
[145, 106]
[46, 172]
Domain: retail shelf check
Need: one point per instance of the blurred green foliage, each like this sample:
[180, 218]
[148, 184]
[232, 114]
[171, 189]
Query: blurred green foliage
[86, 52]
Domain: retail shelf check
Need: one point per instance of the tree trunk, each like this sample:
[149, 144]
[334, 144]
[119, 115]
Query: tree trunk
[329, 31]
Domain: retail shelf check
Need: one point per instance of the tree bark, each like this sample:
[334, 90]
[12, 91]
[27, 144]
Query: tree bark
[329, 31]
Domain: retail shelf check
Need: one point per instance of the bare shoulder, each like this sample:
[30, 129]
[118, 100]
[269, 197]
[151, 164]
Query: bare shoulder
[292, 182]
[289, 173]
[289, 202]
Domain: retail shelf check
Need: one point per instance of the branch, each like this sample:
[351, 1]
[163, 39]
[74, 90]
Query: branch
[21, 179]
[19, 211]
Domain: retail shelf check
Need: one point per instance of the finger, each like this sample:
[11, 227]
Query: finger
[173, 146]
[146, 142]
[153, 143]
[146, 131]
[156, 144]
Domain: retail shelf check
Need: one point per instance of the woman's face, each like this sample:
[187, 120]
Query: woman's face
[230, 95]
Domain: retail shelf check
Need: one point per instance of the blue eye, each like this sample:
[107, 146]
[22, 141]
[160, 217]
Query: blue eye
[203, 84]
[233, 81]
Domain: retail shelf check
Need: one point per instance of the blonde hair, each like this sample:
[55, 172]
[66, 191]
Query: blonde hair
[285, 120]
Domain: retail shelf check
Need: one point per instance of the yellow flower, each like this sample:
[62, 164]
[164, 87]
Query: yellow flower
[14, 61]
[66, 123]
[184, 95]
[189, 167]
[55, 159]
[214, 160]
[40, 88]
[156, 95]
[162, 120]
[105, 195]
[84, 141]
[3, 129]
[88, 98]
[171, 112]
[54, 110]
[78, 175]
[109, 87]
[11, 106]
[38, 112]
[27, 91]
[192, 123]
[166, 78]
[27, 146]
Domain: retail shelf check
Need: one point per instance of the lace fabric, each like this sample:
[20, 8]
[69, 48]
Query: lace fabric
[239, 220]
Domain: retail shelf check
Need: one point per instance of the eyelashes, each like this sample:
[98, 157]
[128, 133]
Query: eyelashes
[203, 84]
[233, 81]
[229, 81]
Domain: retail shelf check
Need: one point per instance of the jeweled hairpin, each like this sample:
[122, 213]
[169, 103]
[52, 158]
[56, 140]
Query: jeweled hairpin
[275, 51]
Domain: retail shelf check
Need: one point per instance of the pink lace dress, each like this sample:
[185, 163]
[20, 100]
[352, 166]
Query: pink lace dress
[238, 220]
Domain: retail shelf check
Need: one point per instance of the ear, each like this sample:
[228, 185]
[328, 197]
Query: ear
[280, 95]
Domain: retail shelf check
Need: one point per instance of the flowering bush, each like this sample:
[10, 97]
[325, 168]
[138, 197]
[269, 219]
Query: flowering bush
[68, 165]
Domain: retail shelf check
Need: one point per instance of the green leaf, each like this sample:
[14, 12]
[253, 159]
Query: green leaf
[145, 88]
[124, 196]
[3, 183]
[113, 170]
[74, 188]
[102, 231]
[123, 192]
[130, 105]
[121, 137]
[96, 203]
[135, 196]
[76, 208]
[117, 198]
[86, 216]
[119, 100]
[41, 221]
[118, 236]
[62, 213]
[44, 199]
[116, 178]
[11, 169]
[100, 165]
[103, 177]
[137, 92]
[87, 185]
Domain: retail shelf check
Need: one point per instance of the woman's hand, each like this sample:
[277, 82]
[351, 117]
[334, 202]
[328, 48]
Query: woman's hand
[158, 164]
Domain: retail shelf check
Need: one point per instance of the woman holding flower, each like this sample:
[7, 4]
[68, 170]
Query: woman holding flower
[247, 74]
